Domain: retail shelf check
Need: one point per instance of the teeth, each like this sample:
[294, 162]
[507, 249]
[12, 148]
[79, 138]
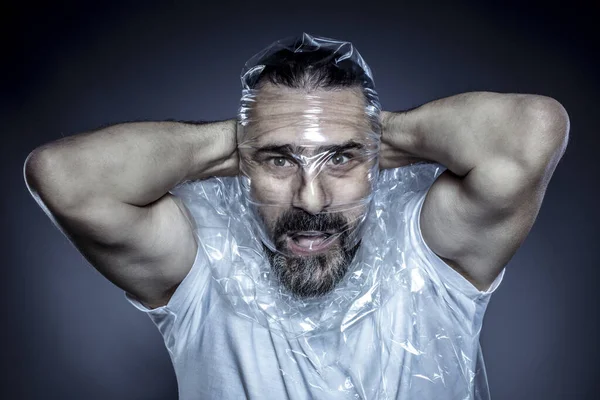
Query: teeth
[309, 242]
[310, 239]
[311, 234]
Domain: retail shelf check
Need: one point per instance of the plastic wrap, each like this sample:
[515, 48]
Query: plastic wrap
[308, 164]
[396, 322]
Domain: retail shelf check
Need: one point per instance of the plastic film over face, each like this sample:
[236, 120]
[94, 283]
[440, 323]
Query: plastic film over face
[308, 161]
[396, 321]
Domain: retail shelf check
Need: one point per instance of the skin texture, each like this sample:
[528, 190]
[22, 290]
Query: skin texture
[307, 179]
[107, 190]
[501, 151]
[304, 173]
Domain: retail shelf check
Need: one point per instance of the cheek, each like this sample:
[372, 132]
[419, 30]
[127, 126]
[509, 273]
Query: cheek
[351, 188]
[269, 216]
[266, 189]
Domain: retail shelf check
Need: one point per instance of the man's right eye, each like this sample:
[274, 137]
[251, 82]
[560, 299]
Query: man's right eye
[280, 162]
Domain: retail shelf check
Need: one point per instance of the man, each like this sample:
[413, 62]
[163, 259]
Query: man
[274, 256]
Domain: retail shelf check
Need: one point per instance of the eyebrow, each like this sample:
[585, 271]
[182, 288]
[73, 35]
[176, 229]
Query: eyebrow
[288, 149]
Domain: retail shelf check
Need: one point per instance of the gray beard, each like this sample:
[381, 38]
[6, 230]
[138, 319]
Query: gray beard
[311, 276]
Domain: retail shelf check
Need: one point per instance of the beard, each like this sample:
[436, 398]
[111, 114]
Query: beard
[311, 275]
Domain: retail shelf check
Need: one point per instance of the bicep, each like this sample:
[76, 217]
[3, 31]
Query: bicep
[476, 223]
[146, 251]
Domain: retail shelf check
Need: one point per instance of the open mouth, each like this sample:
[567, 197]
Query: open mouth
[310, 242]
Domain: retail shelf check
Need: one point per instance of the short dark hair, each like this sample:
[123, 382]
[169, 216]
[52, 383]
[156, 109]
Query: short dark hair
[301, 65]
[310, 70]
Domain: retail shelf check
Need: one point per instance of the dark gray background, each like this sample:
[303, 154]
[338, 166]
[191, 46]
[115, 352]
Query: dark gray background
[69, 334]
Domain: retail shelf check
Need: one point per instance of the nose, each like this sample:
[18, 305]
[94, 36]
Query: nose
[310, 194]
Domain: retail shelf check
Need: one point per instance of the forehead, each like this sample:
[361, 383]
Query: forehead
[288, 115]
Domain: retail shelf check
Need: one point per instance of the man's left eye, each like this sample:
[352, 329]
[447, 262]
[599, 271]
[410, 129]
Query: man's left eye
[339, 159]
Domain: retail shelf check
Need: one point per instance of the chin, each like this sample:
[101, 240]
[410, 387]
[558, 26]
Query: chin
[309, 276]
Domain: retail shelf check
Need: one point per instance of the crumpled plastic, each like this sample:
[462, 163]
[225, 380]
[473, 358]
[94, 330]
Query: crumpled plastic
[326, 144]
[394, 328]
[240, 267]
[391, 327]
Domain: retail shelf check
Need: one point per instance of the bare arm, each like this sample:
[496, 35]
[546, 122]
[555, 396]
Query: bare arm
[107, 191]
[500, 151]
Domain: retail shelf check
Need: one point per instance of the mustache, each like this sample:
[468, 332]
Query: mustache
[295, 220]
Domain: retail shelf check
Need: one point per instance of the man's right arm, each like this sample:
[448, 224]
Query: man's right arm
[107, 191]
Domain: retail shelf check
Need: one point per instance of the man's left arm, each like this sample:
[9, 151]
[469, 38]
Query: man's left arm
[500, 151]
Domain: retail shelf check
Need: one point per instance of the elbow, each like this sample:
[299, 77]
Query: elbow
[35, 167]
[45, 180]
[547, 116]
[547, 124]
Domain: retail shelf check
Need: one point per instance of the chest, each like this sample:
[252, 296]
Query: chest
[408, 344]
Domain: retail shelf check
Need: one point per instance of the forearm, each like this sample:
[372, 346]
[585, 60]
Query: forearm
[466, 130]
[135, 163]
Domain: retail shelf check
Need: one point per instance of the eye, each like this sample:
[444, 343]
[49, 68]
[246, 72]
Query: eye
[280, 162]
[339, 159]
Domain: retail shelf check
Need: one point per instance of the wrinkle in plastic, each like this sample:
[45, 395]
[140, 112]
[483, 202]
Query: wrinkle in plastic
[380, 332]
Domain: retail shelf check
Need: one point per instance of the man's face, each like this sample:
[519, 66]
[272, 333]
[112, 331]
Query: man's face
[310, 159]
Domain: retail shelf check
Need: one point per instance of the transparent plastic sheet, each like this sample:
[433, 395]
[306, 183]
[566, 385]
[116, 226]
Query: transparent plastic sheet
[240, 266]
[390, 327]
[389, 330]
[323, 139]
